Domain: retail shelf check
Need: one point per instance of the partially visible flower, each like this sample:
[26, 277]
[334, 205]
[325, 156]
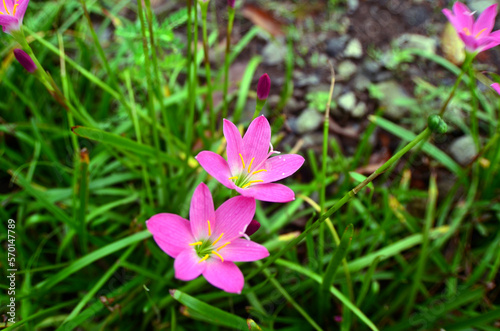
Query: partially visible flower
[496, 87]
[25, 60]
[249, 169]
[12, 14]
[210, 242]
[263, 87]
[252, 227]
[477, 36]
[230, 3]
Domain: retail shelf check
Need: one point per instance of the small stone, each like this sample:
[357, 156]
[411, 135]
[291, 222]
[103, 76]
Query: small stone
[354, 49]
[416, 15]
[335, 46]
[361, 82]
[345, 70]
[417, 41]
[308, 121]
[352, 5]
[274, 52]
[463, 150]
[302, 80]
[392, 93]
[360, 110]
[347, 101]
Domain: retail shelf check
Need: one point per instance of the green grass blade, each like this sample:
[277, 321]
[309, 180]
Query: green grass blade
[337, 258]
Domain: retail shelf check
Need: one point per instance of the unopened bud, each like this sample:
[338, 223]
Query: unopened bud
[437, 124]
[230, 3]
[25, 60]
[263, 87]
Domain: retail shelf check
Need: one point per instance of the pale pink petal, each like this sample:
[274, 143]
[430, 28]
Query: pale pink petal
[496, 87]
[242, 250]
[256, 142]
[8, 22]
[9, 5]
[232, 218]
[268, 192]
[187, 266]
[171, 232]
[234, 146]
[224, 275]
[485, 22]
[279, 167]
[216, 166]
[201, 211]
[463, 16]
[470, 42]
[21, 9]
[492, 41]
[453, 20]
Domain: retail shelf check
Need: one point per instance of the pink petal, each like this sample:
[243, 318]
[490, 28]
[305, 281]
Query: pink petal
[224, 275]
[171, 232]
[463, 15]
[470, 42]
[232, 218]
[9, 23]
[496, 87]
[187, 266]
[485, 22]
[21, 9]
[234, 146]
[216, 166]
[453, 20]
[268, 192]
[201, 211]
[282, 166]
[242, 250]
[9, 4]
[256, 141]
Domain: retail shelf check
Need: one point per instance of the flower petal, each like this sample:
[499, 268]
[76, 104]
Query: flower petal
[471, 43]
[256, 141]
[453, 20]
[232, 218]
[282, 166]
[224, 275]
[171, 232]
[234, 146]
[242, 250]
[21, 10]
[8, 22]
[201, 211]
[268, 192]
[216, 166]
[187, 266]
[496, 87]
[485, 22]
[463, 15]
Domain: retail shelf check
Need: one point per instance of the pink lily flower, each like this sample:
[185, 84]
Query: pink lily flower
[249, 169]
[210, 242]
[496, 87]
[12, 14]
[477, 36]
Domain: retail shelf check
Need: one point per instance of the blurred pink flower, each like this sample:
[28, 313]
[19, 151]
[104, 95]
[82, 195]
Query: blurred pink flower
[25, 60]
[477, 36]
[12, 14]
[496, 87]
[210, 242]
[248, 168]
[230, 3]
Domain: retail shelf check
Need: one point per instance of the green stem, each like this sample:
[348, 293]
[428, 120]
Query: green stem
[194, 83]
[422, 136]
[474, 120]
[210, 102]
[230, 23]
[467, 62]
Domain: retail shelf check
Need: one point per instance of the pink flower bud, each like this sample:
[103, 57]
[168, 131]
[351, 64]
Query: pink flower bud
[252, 227]
[263, 87]
[25, 60]
[230, 3]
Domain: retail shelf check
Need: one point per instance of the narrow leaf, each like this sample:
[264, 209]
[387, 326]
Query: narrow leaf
[337, 258]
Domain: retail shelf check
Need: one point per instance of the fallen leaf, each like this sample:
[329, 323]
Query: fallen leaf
[264, 19]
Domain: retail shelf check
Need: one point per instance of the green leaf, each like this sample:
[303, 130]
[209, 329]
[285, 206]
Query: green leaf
[337, 257]
[359, 178]
[201, 310]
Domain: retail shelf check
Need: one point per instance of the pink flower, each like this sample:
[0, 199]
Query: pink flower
[210, 242]
[248, 169]
[496, 87]
[12, 14]
[477, 36]
[230, 3]
[25, 60]
[263, 87]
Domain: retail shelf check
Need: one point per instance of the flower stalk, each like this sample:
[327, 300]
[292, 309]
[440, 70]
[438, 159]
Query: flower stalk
[209, 100]
[230, 22]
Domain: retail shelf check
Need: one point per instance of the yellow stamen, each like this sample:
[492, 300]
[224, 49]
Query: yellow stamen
[242, 161]
[5, 6]
[234, 177]
[250, 165]
[213, 244]
[218, 249]
[480, 32]
[209, 228]
[467, 31]
[15, 7]
[252, 182]
[204, 258]
[256, 172]
[1, 13]
[214, 252]
[196, 243]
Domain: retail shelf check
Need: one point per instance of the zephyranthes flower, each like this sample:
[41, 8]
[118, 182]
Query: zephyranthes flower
[477, 36]
[496, 87]
[210, 242]
[248, 169]
[12, 14]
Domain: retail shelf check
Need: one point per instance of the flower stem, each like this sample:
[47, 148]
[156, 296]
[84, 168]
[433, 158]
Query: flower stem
[226, 60]
[209, 101]
[421, 137]
[474, 120]
[467, 63]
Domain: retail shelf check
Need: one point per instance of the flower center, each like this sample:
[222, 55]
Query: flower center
[244, 180]
[7, 9]
[204, 249]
